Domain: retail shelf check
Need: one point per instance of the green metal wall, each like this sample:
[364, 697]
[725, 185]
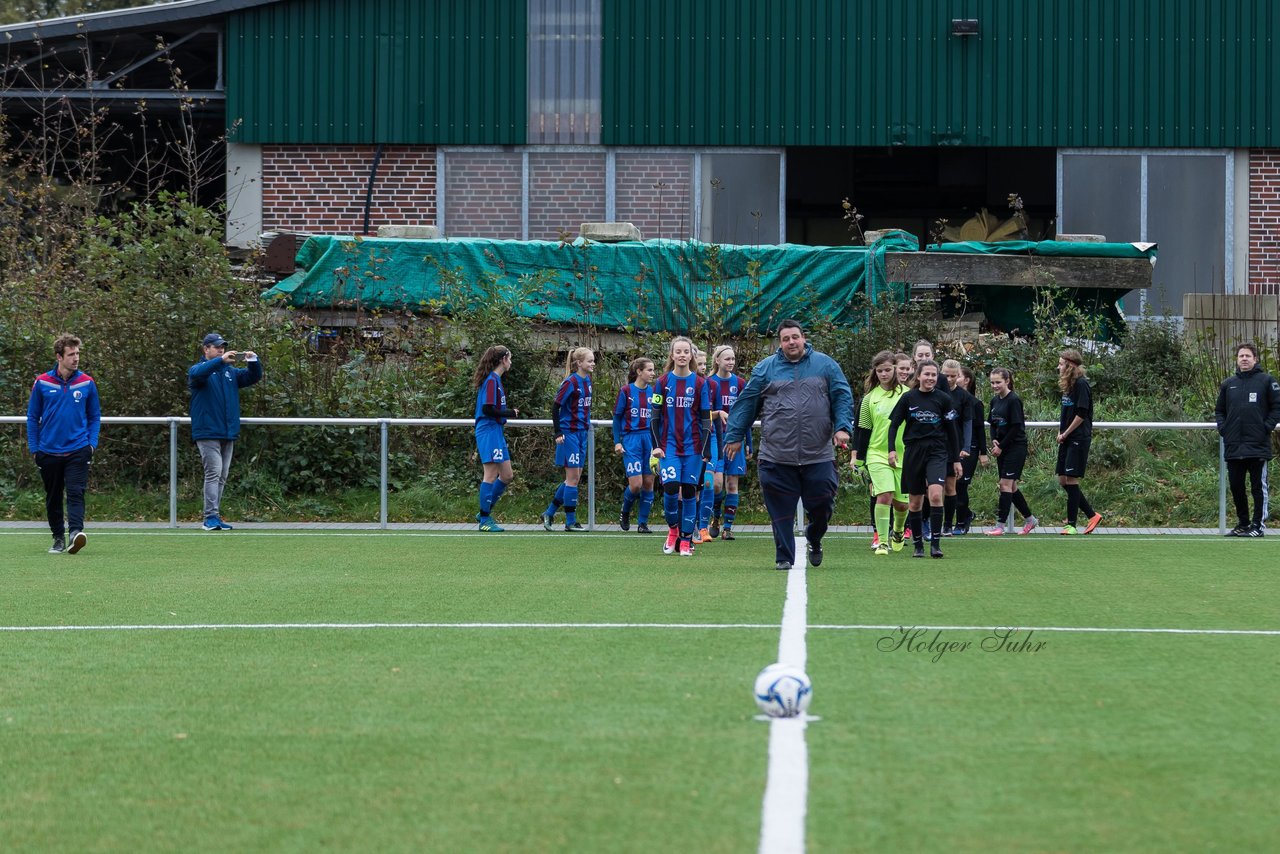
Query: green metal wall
[1114, 73]
[389, 71]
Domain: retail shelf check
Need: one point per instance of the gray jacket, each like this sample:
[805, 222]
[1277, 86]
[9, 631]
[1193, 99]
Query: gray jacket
[801, 406]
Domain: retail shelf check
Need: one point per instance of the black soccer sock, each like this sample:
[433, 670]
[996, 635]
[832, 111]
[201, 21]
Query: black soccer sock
[1073, 503]
[1020, 502]
[1085, 507]
[949, 510]
[915, 521]
[935, 523]
[1006, 503]
[962, 502]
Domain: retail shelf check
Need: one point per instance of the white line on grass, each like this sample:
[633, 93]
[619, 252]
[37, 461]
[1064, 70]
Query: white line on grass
[786, 793]
[178, 627]
[394, 533]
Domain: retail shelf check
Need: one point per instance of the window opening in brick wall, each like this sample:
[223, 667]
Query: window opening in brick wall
[1182, 199]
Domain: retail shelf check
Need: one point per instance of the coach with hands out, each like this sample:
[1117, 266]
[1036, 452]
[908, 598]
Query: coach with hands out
[214, 384]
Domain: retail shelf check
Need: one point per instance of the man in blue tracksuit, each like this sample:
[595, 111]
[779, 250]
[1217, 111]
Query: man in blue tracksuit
[63, 421]
[805, 405]
[215, 383]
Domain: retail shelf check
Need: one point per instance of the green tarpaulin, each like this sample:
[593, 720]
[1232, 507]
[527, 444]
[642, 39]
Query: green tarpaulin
[660, 285]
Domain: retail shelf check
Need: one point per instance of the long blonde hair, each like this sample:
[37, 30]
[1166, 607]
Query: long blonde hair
[576, 356]
[671, 362]
[1067, 381]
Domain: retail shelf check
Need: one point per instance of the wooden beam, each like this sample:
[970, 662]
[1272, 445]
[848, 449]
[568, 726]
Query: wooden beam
[962, 268]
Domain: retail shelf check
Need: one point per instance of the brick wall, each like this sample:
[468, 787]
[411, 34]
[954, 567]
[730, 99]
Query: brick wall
[653, 191]
[1264, 221]
[482, 194]
[565, 190]
[322, 187]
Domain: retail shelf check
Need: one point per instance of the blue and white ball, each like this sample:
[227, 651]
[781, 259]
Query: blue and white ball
[783, 691]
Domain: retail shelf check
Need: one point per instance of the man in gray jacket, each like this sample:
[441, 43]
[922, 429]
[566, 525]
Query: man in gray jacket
[805, 406]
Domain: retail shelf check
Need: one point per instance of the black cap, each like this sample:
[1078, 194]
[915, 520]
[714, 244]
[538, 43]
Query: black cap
[213, 339]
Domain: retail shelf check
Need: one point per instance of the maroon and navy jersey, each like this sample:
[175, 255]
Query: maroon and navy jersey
[632, 411]
[572, 408]
[491, 392]
[724, 394]
[680, 406]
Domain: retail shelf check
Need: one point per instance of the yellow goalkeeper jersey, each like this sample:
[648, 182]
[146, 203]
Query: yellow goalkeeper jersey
[873, 414]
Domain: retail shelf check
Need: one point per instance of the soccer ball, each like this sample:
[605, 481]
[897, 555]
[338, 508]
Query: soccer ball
[783, 691]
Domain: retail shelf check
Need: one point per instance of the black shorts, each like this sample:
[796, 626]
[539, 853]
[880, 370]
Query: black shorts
[924, 466]
[1011, 462]
[1073, 457]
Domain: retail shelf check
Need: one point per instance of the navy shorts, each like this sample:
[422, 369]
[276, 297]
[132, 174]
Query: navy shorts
[572, 452]
[491, 443]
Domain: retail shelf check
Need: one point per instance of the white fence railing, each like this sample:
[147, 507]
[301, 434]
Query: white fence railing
[385, 424]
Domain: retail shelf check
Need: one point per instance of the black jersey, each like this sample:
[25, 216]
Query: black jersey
[928, 416]
[979, 428]
[1008, 423]
[1078, 401]
[965, 405]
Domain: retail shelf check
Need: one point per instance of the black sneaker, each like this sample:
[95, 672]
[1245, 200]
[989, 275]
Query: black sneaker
[78, 540]
[815, 554]
[59, 546]
[1238, 531]
[1255, 530]
[935, 550]
[919, 552]
[714, 530]
[624, 520]
[642, 528]
[576, 526]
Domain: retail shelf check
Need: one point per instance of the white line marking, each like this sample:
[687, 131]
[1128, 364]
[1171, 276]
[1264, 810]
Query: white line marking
[176, 627]
[786, 793]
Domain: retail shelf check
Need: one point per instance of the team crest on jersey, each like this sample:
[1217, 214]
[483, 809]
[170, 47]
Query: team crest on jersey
[1253, 396]
[77, 395]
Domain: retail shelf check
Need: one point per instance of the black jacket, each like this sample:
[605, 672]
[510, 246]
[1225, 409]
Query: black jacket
[1247, 412]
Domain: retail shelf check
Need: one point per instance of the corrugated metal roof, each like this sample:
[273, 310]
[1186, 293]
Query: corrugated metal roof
[390, 71]
[1202, 73]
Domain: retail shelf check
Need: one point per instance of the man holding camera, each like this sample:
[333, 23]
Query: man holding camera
[214, 384]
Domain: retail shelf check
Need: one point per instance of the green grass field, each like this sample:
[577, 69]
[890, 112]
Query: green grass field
[281, 717]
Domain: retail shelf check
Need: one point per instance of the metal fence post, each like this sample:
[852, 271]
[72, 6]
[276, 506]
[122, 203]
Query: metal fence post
[1222, 486]
[591, 478]
[382, 481]
[173, 472]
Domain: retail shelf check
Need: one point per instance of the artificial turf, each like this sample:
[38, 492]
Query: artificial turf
[551, 737]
